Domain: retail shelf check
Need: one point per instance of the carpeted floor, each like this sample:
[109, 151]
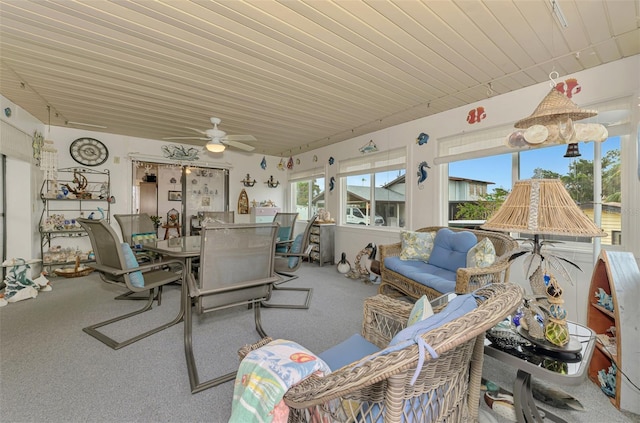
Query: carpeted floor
[51, 371]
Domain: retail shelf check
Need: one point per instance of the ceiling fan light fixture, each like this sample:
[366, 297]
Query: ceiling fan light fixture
[215, 146]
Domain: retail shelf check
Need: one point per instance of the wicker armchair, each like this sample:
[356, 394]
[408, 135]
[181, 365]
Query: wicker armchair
[467, 279]
[447, 388]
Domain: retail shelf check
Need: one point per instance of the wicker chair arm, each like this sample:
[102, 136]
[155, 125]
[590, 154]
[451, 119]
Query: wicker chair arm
[389, 250]
[383, 318]
[490, 274]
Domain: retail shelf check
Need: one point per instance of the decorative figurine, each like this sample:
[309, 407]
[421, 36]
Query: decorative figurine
[422, 138]
[19, 285]
[343, 265]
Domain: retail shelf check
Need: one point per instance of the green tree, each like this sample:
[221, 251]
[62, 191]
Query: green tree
[481, 210]
[539, 173]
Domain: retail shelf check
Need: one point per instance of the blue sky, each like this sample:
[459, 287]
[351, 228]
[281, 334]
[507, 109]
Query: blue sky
[497, 169]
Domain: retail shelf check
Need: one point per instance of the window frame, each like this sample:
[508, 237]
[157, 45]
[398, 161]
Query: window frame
[490, 142]
[370, 165]
[308, 176]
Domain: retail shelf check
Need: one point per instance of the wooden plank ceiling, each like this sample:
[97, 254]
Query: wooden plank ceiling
[297, 75]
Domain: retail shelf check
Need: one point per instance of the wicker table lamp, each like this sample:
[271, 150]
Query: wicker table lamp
[544, 207]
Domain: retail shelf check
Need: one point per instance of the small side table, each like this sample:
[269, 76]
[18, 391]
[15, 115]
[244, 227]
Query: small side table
[576, 371]
[167, 228]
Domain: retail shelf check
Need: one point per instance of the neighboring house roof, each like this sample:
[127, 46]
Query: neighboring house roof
[382, 194]
[458, 179]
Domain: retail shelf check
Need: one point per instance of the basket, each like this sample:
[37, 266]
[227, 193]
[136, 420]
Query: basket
[74, 272]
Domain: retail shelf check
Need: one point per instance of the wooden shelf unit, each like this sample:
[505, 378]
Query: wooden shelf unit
[617, 274]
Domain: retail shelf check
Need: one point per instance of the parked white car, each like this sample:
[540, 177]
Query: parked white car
[356, 217]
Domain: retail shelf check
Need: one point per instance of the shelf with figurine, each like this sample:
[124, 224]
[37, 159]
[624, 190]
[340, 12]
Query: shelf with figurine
[69, 194]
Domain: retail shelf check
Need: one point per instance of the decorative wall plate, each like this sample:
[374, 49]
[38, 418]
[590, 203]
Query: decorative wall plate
[89, 151]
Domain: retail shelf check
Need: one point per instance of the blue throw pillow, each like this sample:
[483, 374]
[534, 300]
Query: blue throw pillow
[450, 249]
[296, 249]
[136, 278]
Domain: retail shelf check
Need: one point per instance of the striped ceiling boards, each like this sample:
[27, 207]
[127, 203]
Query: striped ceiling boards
[296, 75]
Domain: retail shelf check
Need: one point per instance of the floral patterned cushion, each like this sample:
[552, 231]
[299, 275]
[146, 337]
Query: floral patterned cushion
[483, 254]
[416, 245]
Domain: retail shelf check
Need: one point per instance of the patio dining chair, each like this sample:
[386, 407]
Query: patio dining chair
[426, 373]
[287, 222]
[136, 230]
[117, 263]
[236, 268]
[288, 260]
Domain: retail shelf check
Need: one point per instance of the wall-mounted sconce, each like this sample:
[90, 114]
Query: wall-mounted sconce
[271, 183]
[247, 181]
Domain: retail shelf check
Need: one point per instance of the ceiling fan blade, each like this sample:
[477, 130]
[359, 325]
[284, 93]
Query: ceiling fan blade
[238, 145]
[186, 138]
[241, 138]
[200, 131]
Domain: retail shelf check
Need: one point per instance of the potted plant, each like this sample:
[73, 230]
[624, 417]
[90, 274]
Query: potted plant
[157, 220]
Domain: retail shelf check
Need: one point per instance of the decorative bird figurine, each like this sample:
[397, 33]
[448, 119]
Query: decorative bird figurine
[343, 265]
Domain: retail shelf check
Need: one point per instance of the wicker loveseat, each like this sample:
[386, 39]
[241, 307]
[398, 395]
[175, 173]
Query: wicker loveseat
[379, 388]
[467, 279]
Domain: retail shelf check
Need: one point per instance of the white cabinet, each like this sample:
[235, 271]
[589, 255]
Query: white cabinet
[263, 214]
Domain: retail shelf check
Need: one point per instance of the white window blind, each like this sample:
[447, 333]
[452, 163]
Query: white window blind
[378, 162]
[316, 172]
[14, 143]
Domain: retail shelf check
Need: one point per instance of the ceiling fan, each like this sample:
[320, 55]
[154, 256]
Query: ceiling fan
[217, 140]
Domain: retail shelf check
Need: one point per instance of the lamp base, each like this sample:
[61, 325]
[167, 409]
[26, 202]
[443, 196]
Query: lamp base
[573, 346]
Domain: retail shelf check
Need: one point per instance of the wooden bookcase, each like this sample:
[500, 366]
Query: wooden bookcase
[618, 275]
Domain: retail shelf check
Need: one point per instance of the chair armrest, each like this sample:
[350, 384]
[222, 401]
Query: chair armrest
[142, 268]
[247, 348]
[471, 278]
[390, 250]
[383, 318]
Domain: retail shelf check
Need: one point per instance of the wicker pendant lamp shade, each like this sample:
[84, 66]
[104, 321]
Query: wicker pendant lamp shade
[554, 107]
[542, 207]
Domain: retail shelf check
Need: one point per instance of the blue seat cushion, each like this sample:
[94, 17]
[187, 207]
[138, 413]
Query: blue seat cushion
[348, 351]
[450, 249]
[442, 280]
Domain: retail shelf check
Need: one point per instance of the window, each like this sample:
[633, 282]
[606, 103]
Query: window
[373, 189]
[481, 158]
[307, 193]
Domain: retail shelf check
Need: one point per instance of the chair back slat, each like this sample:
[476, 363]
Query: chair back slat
[287, 222]
[105, 243]
[134, 224]
[236, 263]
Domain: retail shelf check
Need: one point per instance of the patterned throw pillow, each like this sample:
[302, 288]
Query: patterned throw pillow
[483, 254]
[421, 310]
[138, 239]
[416, 245]
[136, 278]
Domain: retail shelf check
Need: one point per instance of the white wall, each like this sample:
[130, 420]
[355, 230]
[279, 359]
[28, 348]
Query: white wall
[427, 206]
[120, 166]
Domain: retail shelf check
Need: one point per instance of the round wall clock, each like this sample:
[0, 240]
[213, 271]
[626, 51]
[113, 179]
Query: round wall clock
[88, 151]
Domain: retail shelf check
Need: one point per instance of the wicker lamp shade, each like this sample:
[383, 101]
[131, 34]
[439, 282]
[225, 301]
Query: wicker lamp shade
[555, 106]
[542, 207]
